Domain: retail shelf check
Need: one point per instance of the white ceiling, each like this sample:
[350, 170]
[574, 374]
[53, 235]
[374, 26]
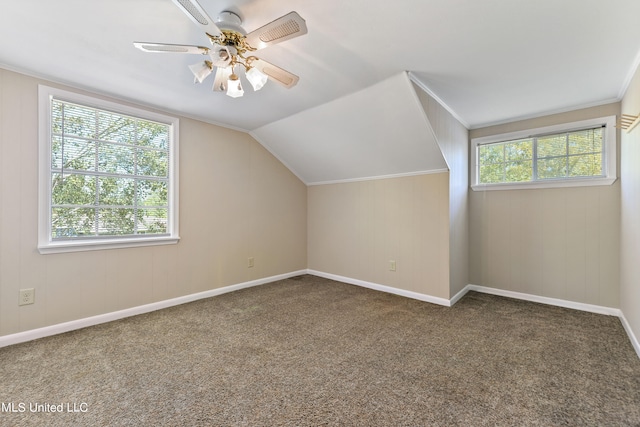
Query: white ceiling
[489, 61]
[388, 137]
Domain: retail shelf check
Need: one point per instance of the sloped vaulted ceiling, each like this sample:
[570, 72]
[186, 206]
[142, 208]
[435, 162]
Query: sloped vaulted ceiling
[379, 131]
[488, 62]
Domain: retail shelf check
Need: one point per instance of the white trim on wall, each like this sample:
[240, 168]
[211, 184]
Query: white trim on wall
[610, 164]
[33, 334]
[46, 244]
[457, 297]
[629, 78]
[634, 340]
[427, 90]
[609, 311]
[373, 178]
[382, 288]
[46, 331]
[538, 115]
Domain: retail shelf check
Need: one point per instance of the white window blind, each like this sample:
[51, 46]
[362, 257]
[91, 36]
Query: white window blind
[580, 153]
[110, 176]
[576, 154]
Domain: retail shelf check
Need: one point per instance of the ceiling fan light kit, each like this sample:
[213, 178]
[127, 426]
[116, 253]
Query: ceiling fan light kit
[235, 87]
[201, 70]
[256, 77]
[232, 48]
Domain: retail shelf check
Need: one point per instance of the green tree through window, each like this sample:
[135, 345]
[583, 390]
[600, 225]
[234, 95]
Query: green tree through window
[506, 162]
[576, 154]
[109, 173]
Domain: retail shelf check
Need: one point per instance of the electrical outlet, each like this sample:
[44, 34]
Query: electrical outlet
[392, 265]
[250, 262]
[27, 296]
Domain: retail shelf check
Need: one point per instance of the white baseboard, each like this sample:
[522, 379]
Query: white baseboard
[133, 311]
[116, 315]
[609, 311]
[458, 296]
[383, 288]
[634, 340]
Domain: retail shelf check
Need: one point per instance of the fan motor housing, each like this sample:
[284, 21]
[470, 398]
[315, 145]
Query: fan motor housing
[230, 21]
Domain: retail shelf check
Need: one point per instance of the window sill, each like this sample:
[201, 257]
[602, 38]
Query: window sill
[544, 184]
[96, 245]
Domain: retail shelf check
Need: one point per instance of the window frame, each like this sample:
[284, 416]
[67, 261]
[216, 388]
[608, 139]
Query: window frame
[45, 243]
[609, 153]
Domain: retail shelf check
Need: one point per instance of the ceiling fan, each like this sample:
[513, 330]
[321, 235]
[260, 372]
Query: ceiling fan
[233, 47]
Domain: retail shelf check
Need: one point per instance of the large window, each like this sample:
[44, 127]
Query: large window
[108, 174]
[582, 153]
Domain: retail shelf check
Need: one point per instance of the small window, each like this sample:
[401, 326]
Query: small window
[582, 153]
[108, 174]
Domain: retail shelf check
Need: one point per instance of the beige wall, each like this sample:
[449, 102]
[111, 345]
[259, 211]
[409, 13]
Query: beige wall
[355, 229]
[559, 243]
[453, 139]
[236, 201]
[630, 212]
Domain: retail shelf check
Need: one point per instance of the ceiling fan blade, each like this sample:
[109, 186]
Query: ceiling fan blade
[276, 73]
[284, 28]
[196, 13]
[170, 48]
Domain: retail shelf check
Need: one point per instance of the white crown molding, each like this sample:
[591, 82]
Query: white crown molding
[378, 177]
[629, 78]
[545, 113]
[427, 90]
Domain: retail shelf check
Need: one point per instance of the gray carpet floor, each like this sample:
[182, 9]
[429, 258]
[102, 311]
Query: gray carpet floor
[308, 351]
